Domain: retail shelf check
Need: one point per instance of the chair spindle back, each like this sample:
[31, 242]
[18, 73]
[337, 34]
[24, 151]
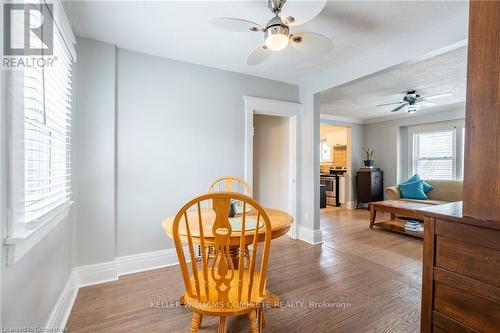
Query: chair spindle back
[224, 276]
[231, 184]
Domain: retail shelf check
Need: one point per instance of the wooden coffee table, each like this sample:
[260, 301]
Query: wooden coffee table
[397, 208]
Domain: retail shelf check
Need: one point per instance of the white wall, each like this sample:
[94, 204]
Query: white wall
[309, 125]
[32, 286]
[179, 127]
[94, 152]
[271, 161]
[174, 128]
[389, 139]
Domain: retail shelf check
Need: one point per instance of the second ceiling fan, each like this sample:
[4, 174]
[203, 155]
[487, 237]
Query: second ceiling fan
[413, 101]
[277, 35]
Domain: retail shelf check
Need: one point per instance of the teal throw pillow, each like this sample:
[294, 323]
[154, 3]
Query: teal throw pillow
[413, 190]
[427, 187]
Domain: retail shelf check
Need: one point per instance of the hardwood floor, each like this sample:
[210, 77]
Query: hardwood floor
[370, 279]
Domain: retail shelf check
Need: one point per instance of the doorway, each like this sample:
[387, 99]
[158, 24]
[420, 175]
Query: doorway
[270, 161]
[288, 112]
[335, 166]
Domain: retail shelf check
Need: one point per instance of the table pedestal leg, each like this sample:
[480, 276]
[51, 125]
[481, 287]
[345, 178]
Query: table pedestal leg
[234, 252]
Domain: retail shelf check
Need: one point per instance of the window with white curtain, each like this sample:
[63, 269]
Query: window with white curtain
[41, 134]
[434, 154]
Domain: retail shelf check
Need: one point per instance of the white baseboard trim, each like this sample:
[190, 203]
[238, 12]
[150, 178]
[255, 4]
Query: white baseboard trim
[146, 261]
[62, 309]
[88, 275]
[292, 233]
[310, 236]
[350, 204]
[110, 271]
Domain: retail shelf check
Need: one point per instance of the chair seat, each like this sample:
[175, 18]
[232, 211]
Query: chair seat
[234, 306]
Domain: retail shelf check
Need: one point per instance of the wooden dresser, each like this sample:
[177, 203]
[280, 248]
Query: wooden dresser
[369, 185]
[461, 262]
[461, 272]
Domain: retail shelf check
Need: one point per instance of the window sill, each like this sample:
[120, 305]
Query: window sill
[20, 245]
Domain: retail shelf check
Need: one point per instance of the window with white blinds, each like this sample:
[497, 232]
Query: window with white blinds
[434, 154]
[46, 139]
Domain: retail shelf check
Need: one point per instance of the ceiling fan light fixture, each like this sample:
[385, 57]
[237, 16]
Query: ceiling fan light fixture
[277, 42]
[277, 37]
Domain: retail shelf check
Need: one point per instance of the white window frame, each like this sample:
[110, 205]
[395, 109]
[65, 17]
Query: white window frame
[457, 126]
[453, 156]
[21, 239]
[330, 157]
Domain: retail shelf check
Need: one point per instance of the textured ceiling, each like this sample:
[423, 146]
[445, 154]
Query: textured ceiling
[445, 73]
[181, 30]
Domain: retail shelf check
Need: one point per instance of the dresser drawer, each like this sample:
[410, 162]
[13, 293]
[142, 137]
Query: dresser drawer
[484, 237]
[475, 312]
[444, 324]
[437, 329]
[470, 260]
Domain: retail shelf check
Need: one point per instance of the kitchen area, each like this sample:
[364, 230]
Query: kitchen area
[334, 164]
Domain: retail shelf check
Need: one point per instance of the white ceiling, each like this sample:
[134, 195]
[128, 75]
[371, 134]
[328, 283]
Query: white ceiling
[181, 30]
[445, 73]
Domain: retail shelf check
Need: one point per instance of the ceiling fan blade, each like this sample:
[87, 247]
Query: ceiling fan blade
[399, 107]
[258, 55]
[390, 104]
[426, 104]
[311, 43]
[438, 96]
[297, 12]
[234, 24]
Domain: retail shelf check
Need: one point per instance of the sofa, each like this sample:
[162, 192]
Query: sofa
[443, 191]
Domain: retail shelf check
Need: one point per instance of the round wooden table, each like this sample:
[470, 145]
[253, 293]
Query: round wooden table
[280, 224]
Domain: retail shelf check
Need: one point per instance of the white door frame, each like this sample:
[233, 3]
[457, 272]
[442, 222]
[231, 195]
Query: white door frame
[271, 107]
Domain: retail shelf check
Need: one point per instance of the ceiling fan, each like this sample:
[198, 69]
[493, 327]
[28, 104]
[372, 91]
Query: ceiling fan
[277, 34]
[413, 101]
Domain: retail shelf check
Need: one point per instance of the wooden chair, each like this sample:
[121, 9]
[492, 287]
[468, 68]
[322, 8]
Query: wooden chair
[214, 286]
[231, 184]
